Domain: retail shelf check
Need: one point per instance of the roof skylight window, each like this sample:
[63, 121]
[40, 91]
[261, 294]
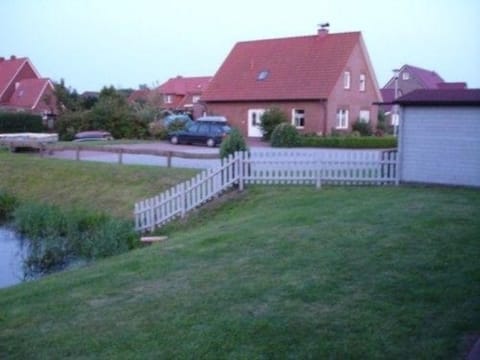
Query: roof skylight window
[262, 75]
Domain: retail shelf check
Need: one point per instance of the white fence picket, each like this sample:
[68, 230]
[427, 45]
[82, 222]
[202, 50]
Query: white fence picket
[268, 167]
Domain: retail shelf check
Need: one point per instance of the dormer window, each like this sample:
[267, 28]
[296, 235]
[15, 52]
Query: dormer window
[405, 75]
[346, 80]
[167, 99]
[262, 75]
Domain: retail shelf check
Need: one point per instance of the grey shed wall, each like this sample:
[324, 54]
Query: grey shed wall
[440, 145]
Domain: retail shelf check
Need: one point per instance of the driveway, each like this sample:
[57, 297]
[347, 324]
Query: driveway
[256, 147]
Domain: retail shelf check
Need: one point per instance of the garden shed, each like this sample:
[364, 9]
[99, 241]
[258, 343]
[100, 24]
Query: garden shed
[439, 138]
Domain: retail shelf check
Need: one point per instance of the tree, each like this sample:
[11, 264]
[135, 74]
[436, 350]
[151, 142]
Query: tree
[233, 143]
[67, 98]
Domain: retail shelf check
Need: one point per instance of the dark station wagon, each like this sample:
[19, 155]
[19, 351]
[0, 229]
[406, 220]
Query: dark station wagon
[203, 131]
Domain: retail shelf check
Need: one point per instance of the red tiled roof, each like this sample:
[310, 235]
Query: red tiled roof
[184, 85]
[8, 69]
[304, 67]
[141, 94]
[441, 97]
[28, 93]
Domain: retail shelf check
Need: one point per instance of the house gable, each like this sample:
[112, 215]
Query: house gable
[12, 71]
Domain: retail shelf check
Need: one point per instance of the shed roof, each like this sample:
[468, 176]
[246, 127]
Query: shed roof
[452, 97]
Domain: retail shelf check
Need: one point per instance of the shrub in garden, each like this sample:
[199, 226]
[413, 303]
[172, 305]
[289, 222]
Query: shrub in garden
[56, 236]
[364, 128]
[234, 142]
[269, 121]
[7, 205]
[285, 135]
[157, 130]
[20, 122]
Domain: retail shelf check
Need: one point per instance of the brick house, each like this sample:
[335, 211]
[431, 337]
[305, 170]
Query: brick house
[323, 82]
[22, 88]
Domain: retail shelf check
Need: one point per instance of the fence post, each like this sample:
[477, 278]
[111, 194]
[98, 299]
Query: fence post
[169, 159]
[77, 153]
[120, 156]
[318, 174]
[239, 156]
[183, 198]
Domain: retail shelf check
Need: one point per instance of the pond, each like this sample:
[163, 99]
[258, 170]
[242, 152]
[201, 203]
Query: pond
[13, 250]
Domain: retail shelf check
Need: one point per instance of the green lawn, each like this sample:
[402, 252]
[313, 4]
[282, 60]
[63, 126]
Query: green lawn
[274, 272]
[104, 187]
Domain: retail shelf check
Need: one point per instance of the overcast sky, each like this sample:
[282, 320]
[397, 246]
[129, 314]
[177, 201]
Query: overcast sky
[92, 43]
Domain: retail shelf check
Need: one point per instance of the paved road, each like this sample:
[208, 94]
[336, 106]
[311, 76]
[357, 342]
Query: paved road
[256, 148]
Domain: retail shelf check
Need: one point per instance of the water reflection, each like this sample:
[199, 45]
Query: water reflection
[13, 251]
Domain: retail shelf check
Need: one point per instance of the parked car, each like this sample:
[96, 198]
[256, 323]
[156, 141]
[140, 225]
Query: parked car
[93, 135]
[212, 118]
[206, 132]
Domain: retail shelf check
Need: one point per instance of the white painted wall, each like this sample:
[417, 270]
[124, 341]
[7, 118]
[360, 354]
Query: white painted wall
[440, 145]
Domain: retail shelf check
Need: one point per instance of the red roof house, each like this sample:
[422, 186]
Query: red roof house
[183, 93]
[22, 89]
[323, 82]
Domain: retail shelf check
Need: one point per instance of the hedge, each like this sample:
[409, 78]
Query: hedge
[20, 122]
[359, 142]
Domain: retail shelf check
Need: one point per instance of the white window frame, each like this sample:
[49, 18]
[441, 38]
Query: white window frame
[167, 99]
[363, 82]
[342, 118]
[298, 116]
[405, 75]
[365, 119]
[346, 80]
[195, 99]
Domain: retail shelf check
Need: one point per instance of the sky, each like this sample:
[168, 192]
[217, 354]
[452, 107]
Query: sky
[96, 43]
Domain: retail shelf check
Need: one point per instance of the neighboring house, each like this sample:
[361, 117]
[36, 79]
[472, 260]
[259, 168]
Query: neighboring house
[322, 82]
[439, 139]
[184, 93]
[22, 88]
[411, 78]
[178, 94]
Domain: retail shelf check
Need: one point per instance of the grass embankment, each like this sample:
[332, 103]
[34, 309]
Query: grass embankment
[93, 186]
[278, 273]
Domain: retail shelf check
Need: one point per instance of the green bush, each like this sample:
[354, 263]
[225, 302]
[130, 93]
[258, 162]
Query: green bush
[364, 128]
[233, 143]
[7, 205]
[285, 135]
[270, 120]
[20, 122]
[157, 130]
[364, 142]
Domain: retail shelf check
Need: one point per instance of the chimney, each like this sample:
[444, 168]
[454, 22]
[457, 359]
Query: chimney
[2, 59]
[13, 57]
[323, 29]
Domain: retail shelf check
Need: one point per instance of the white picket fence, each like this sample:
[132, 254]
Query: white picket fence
[267, 167]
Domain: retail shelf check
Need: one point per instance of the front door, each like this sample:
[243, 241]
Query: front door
[254, 121]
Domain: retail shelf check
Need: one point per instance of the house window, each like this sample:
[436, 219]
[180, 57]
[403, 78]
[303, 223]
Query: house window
[195, 98]
[167, 99]
[364, 116]
[405, 75]
[298, 118]
[363, 80]
[342, 119]
[346, 80]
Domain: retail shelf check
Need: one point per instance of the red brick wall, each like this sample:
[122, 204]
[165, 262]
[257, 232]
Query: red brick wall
[353, 99]
[237, 113]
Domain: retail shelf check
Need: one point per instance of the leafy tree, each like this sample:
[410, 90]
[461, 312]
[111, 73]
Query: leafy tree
[67, 98]
[269, 121]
